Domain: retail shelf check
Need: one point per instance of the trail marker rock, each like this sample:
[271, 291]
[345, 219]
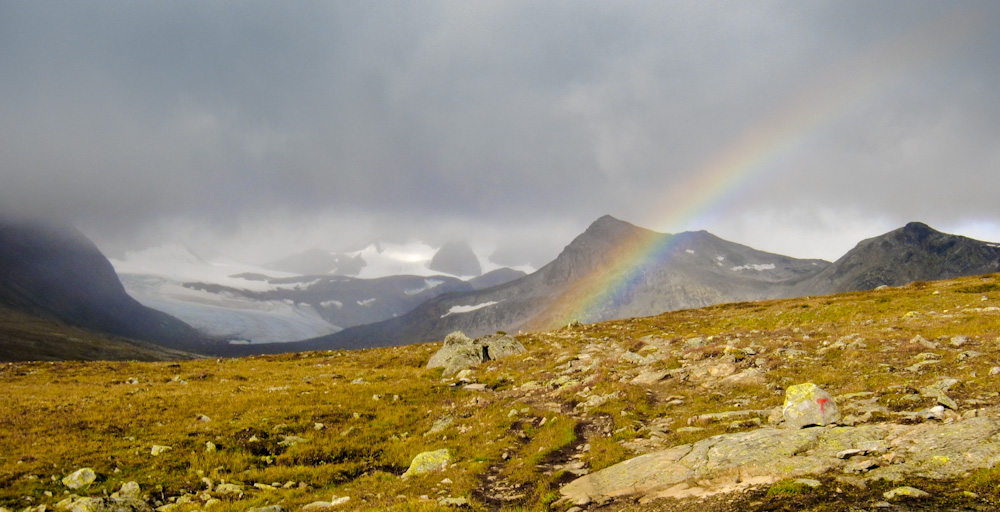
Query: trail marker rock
[808, 404]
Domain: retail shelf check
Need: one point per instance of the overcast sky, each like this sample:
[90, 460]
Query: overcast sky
[257, 129]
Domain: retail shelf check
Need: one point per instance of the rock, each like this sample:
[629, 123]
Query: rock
[695, 343]
[80, 478]
[427, 462]
[651, 377]
[322, 506]
[440, 424]
[632, 357]
[809, 482]
[958, 341]
[209, 447]
[459, 352]
[202, 418]
[156, 450]
[292, 441]
[453, 502]
[905, 492]
[732, 462]
[231, 491]
[269, 508]
[129, 490]
[807, 404]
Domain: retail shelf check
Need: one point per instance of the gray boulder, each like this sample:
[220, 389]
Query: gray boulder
[808, 404]
[460, 352]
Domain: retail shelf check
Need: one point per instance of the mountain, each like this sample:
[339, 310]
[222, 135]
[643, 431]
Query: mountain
[456, 258]
[54, 272]
[915, 252]
[618, 270]
[674, 272]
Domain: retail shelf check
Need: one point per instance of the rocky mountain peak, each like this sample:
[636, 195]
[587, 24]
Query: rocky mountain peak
[456, 258]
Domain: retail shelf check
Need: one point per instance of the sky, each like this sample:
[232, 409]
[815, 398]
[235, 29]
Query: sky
[258, 129]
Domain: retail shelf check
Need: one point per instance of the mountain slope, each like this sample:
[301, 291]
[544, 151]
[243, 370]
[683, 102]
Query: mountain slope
[55, 272]
[914, 252]
[25, 337]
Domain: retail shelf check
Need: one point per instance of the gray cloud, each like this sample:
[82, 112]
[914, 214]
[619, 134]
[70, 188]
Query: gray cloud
[256, 127]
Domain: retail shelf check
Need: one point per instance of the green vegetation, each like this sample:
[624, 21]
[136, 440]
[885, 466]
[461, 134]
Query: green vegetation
[298, 428]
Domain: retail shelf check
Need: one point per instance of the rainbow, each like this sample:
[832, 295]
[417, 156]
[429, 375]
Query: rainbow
[820, 102]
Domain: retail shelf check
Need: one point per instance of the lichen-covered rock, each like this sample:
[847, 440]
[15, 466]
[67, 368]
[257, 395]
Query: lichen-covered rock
[807, 405]
[79, 478]
[905, 492]
[157, 450]
[269, 508]
[459, 352]
[427, 462]
[232, 491]
[731, 462]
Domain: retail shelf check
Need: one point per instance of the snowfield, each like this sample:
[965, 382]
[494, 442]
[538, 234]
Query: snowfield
[466, 309]
[228, 316]
[754, 266]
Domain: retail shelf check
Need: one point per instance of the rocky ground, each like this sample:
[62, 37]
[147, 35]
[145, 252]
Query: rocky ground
[683, 411]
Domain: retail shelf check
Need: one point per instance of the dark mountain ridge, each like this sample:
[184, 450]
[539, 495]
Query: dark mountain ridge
[52, 271]
[914, 252]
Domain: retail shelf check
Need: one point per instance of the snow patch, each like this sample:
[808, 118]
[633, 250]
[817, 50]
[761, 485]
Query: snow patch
[466, 309]
[720, 258]
[334, 303]
[754, 266]
[366, 302]
[689, 251]
[428, 284]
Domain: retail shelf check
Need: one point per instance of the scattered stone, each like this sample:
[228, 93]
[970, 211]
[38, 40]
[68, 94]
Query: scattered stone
[440, 424]
[80, 478]
[969, 354]
[807, 404]
[453, 502]
[815, 484]
[292, 441]
[157, 450]
[958, 341]
[459, 352]
[231, 491]
[995, 370]
[477, 387]
[209, 447]
[695, 343]
[905, 492]
[632, 357]
[269, 508]
[202, 418]
[427, 462]
[920, 366]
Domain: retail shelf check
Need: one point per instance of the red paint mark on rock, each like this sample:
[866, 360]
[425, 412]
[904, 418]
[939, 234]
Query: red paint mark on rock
[822, 404]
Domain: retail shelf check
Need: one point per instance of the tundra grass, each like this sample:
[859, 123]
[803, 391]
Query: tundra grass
[297, 428]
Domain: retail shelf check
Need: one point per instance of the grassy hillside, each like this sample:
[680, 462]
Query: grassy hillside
[299, 428]
[25, 337]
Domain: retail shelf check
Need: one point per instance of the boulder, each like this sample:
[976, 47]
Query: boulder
[732, 462]
[459, 352]
[427, 462]
[79, 478]
[808, 405]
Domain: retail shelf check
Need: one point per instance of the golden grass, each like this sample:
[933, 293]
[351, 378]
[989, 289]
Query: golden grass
[364, 414]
